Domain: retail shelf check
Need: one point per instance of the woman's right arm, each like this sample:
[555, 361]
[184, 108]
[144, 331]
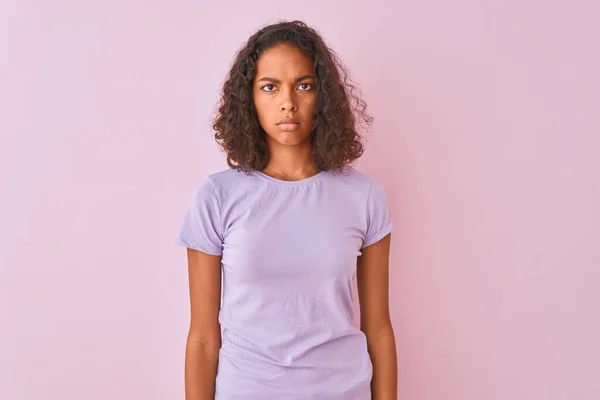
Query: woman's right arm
[204, 337]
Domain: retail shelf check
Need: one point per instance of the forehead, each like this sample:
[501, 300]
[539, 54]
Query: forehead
[283, 59]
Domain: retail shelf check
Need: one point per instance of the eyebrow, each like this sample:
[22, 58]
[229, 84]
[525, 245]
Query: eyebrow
[267, 79]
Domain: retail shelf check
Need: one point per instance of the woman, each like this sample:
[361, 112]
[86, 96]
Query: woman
[287, 227]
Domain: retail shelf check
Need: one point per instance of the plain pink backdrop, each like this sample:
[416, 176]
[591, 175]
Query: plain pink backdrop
[486, 138]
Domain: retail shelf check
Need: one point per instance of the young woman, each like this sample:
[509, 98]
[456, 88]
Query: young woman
[275, 241]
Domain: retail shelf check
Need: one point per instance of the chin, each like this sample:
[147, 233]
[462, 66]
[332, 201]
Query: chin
[289, 139]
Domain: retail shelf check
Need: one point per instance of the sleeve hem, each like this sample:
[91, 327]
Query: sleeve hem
[379, 235]
[214, 251]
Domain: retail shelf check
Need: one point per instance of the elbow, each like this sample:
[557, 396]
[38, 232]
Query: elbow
[378, 332]
[208, 340]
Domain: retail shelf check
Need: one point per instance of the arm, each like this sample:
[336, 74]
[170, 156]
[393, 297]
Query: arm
[375, 322]
[204, 337]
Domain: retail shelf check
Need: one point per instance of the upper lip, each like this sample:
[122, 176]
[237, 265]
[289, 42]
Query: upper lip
[288, 121]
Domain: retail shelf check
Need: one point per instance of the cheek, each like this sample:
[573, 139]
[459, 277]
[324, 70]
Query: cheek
[309, 104]
[262, 110]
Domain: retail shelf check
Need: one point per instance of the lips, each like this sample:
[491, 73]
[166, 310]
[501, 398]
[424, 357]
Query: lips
[288, 126]
[288, 121]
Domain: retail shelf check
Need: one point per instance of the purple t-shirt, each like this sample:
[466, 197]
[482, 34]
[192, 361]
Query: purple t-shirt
[289, 252]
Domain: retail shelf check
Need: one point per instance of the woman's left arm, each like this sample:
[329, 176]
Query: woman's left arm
[375, 322]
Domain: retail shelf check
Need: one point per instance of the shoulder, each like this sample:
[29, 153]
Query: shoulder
[225, 180]
[225, 177]
[215, 185]
[357, 179]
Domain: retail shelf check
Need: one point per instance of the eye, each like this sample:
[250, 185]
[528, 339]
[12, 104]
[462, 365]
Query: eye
[307, 86]
[268, 86]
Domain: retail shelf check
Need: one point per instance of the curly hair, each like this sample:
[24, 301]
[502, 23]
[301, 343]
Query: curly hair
[339, 111]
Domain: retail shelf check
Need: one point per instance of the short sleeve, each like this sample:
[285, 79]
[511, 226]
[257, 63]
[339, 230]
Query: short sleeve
[201, 226]
[379, 216]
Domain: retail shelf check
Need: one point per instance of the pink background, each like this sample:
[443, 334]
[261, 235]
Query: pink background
[486, 139]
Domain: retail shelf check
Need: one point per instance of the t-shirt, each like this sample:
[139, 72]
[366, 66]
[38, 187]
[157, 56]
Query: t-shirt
[289, 255]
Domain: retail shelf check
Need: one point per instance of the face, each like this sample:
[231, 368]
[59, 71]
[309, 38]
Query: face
[284, 94]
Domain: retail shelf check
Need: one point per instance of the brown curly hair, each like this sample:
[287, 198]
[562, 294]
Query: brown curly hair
[339, 112]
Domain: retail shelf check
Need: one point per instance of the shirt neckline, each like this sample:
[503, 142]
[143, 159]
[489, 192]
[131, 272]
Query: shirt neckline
[289, 183]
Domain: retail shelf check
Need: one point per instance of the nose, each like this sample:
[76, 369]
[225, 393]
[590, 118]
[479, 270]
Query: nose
[288, 102]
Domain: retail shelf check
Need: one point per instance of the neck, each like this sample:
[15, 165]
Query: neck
[291, 163]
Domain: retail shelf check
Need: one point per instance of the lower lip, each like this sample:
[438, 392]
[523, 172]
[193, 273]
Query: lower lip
[288, 127]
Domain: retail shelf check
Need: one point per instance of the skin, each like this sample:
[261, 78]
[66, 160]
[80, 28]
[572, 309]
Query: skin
[204, 336]
[372, 276]
[284, 88]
